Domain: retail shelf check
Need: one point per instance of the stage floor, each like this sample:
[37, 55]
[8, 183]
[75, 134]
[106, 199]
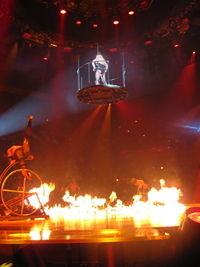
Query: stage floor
[95, 242]
[47, 231]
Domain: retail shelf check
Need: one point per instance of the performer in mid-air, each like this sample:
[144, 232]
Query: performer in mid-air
[100, 66]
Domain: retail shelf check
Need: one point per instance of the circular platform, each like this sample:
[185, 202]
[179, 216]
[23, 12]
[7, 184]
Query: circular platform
[102, 94]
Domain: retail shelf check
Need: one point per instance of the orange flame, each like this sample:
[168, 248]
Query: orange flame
[161, 208]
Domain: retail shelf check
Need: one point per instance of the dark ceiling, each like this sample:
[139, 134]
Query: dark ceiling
[153, 19]
[147, 37]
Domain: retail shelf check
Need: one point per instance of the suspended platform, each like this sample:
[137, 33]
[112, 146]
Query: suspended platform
[102, 94]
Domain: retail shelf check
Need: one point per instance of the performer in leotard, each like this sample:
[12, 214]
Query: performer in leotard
[100, 66]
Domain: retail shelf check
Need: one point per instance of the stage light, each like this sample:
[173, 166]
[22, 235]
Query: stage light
[67, 48]
[193, 52]
[131, 12]
[113, 49]
[78, 22]
[193, 128]
[27, 35]
[176, 45]
[53, 45]
[115, 22]
[148, 42]
[144, 4]
[13, 119]
[63, 11]
[45, 58]
[95, 25]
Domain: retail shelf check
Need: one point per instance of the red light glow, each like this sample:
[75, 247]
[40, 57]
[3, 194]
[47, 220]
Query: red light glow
[27, 35]
[95, 25]
[113, 49]
[149, 42]
[67, 48]
[144, 4]
[176, 45]
[78, 22]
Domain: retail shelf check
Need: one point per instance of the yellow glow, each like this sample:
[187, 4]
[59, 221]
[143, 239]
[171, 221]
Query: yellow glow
[53, 45]
[43, 194]
[109, 232]
[40, 232]
[80, 133]
[161, 208]
[148, 232]
[35, 235]
[86, 125]
[19, 235]
[103, 142]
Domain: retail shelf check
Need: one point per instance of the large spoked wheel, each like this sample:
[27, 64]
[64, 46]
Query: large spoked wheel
[21, 192]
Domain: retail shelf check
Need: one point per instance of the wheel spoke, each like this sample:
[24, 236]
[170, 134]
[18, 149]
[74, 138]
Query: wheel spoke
[22, 201]
[15, 193]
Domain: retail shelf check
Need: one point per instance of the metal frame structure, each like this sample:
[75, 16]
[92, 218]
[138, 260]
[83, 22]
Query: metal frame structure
[88, 92]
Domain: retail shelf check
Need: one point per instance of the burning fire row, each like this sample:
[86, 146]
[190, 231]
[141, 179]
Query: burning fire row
[162, 206]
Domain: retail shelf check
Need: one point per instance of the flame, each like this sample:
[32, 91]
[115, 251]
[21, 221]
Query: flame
[39, 234]
[162, 207]
[42, 194]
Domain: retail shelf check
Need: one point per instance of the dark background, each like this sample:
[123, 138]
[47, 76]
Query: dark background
[153, 134]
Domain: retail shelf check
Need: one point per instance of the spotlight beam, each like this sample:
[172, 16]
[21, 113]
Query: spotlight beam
[13, 120]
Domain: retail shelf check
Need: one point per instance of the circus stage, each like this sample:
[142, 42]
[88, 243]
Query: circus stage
[100, 242]
[91, 231]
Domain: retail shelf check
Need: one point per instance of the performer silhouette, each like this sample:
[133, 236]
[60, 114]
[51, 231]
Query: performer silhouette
[100, 66]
